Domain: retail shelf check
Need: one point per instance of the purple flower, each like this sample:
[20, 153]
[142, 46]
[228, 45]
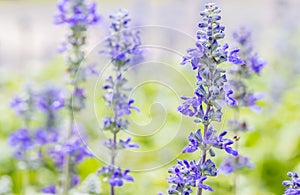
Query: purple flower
[293, 185]
[206, 106]
[256, 63]
[123, 45]
[210, 137]
[116, 175]
[222, 143]
[242, 36]
[25, 105]
[18, 105]
[74, 147]
[234, 58]
[22, 140]
[194, 55]
[76, 13]
[124, 108]
[191, 105]
[230, 100]
[75, 180]
[46, 136]
[51, 99]
[195, 140]
[231, 164]
[185, 175]
[49, 189]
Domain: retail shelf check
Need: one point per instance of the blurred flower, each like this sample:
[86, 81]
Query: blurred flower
[24, 105]
[51, 99]
[76, 13]
[22, 141]
[51, 189]
[123, 45]
[231, 164]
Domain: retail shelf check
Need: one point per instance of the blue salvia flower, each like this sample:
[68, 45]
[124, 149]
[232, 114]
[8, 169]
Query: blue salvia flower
[238, 76]
[21, 141]
[205, 106]
[51, 189]
[252, 61]
[231, 164]
[123, 45]
[28, 141]
[76, 13]
[123, 48]
[78, 16]
[252, 65]
[24, 106]
[293, 185]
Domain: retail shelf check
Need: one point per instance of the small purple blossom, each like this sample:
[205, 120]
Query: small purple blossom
[76, 13]
[185, 175]
[231, 164]
[256, 63]
[51, 189]
[46, 136]
[116, 175]
[123, 45]
[194, 56]
[51, 99]
[234, 58]
[24, 105]
[229, 99]
[74, 147]
[22, 141]
[191, 105]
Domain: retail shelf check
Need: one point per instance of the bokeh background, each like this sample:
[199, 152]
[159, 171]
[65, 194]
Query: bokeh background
[28, 44]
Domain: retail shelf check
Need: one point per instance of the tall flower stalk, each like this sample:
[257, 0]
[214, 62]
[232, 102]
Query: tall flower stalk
[205, 107]
[123, 48]
[239, 75]
[78, 15]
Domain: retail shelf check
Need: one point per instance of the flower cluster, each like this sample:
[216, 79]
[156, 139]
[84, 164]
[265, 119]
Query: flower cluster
[231, 164]
[186, 175]
[49, 101]
[115, 175]
[252, 65]
[293, 186]
[24, 106]
[123, 48]
[237, 79]
[206, 107]
[78, 15]
[123, 44]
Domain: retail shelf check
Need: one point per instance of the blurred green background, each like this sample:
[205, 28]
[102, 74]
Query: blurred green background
[28, 42]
